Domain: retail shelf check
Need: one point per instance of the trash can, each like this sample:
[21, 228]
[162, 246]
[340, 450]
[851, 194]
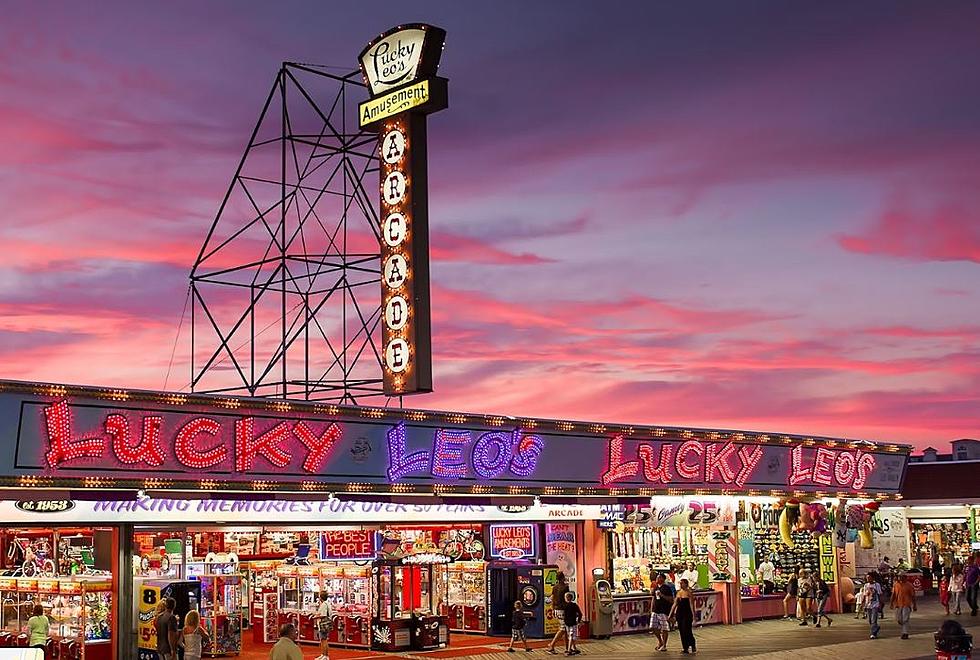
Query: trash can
[953, 642]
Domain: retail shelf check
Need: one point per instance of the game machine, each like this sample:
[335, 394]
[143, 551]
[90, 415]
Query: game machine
[299, 598]
[264, 599]
[310, 588]
[27, 596]
[187, 594]
[528, 583]
[10, 620]
[214, 563]
[349, 585]
[602, 604]
[466, 595]
[87, 619]
[406, 607]
[76, 554]
[410, 582]
[221, 612]
[158, 556]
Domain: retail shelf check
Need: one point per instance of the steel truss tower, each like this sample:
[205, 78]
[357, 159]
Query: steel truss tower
[285, 293]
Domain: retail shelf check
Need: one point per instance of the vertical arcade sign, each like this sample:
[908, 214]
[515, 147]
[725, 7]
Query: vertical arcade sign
[399, 68]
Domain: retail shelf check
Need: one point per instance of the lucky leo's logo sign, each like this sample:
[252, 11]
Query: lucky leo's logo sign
[399, 68]
[401, 56]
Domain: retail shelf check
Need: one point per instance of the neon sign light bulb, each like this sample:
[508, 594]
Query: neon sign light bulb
[61, 446]
[147, 450]
[447, 454]
[527, 451]
[492, 453]
[185, 445]
[398, 463]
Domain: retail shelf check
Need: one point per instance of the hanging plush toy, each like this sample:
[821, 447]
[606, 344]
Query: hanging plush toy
[865, 538]
[839, 524]
[813, 517]
[787, 520]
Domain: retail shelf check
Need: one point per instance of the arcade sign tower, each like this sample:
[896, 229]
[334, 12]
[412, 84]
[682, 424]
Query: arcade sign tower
[399, 68]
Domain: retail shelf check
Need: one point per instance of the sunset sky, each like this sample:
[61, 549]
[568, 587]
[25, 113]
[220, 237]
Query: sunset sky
[754, 215]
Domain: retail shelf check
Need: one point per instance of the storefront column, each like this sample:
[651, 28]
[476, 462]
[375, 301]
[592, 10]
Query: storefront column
[123, 606]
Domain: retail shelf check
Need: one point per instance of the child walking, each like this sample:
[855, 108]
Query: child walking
[944, 592]
[193, 638]
[573, 616]
[517, 621]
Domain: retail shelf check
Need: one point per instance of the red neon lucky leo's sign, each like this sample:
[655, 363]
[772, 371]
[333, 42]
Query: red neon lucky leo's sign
[196, 445]
[737, 464]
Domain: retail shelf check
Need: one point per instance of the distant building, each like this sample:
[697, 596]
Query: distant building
[964, 449]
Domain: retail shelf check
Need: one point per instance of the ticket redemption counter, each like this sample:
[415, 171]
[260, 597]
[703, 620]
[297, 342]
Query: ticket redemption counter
[408, 598]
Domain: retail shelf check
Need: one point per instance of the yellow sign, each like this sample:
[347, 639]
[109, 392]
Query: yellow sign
[551, 621]
[145, 629]
[393, 103]
[828, 559]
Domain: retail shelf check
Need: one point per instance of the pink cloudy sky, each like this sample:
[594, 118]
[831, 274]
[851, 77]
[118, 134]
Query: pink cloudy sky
[748, 215]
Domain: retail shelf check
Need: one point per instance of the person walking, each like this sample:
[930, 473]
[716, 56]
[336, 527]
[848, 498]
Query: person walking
[663, 601]
[517, 621]
[972, 582]
[192, 636]
[286, 648]
[324, 622]
[804, 600]
[792, 593]
[683, 611]
[822, 594]
[872, 603]
[944, 590]
[957, 587]
[572, 616]
[166, 629]
[38, 627]
[903, 600]
[558, 607]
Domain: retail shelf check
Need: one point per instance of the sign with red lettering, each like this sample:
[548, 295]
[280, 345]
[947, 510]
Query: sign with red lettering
[513, 542]
[348, 544]
[54, 436]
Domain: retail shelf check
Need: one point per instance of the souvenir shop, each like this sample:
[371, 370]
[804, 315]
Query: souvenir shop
[737, 553]
[249, 510]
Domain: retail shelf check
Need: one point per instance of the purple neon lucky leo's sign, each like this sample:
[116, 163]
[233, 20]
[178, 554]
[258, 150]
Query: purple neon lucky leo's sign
[95, 441]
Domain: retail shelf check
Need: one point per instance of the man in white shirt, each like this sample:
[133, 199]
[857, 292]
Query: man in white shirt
[324, 622]
[691, 575]
[767, 576]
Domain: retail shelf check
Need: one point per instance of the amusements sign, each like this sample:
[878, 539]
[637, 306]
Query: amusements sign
[399, 68]
[208, 443]
[512, 542]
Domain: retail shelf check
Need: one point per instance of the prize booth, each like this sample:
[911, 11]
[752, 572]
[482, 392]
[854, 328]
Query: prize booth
[688, 538]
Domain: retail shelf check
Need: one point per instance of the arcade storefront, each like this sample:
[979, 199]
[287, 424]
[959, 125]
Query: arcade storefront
[236, 507]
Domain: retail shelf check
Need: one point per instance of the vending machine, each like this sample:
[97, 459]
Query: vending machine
[528, 583]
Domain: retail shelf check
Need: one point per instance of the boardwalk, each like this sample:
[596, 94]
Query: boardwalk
[771, 640]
